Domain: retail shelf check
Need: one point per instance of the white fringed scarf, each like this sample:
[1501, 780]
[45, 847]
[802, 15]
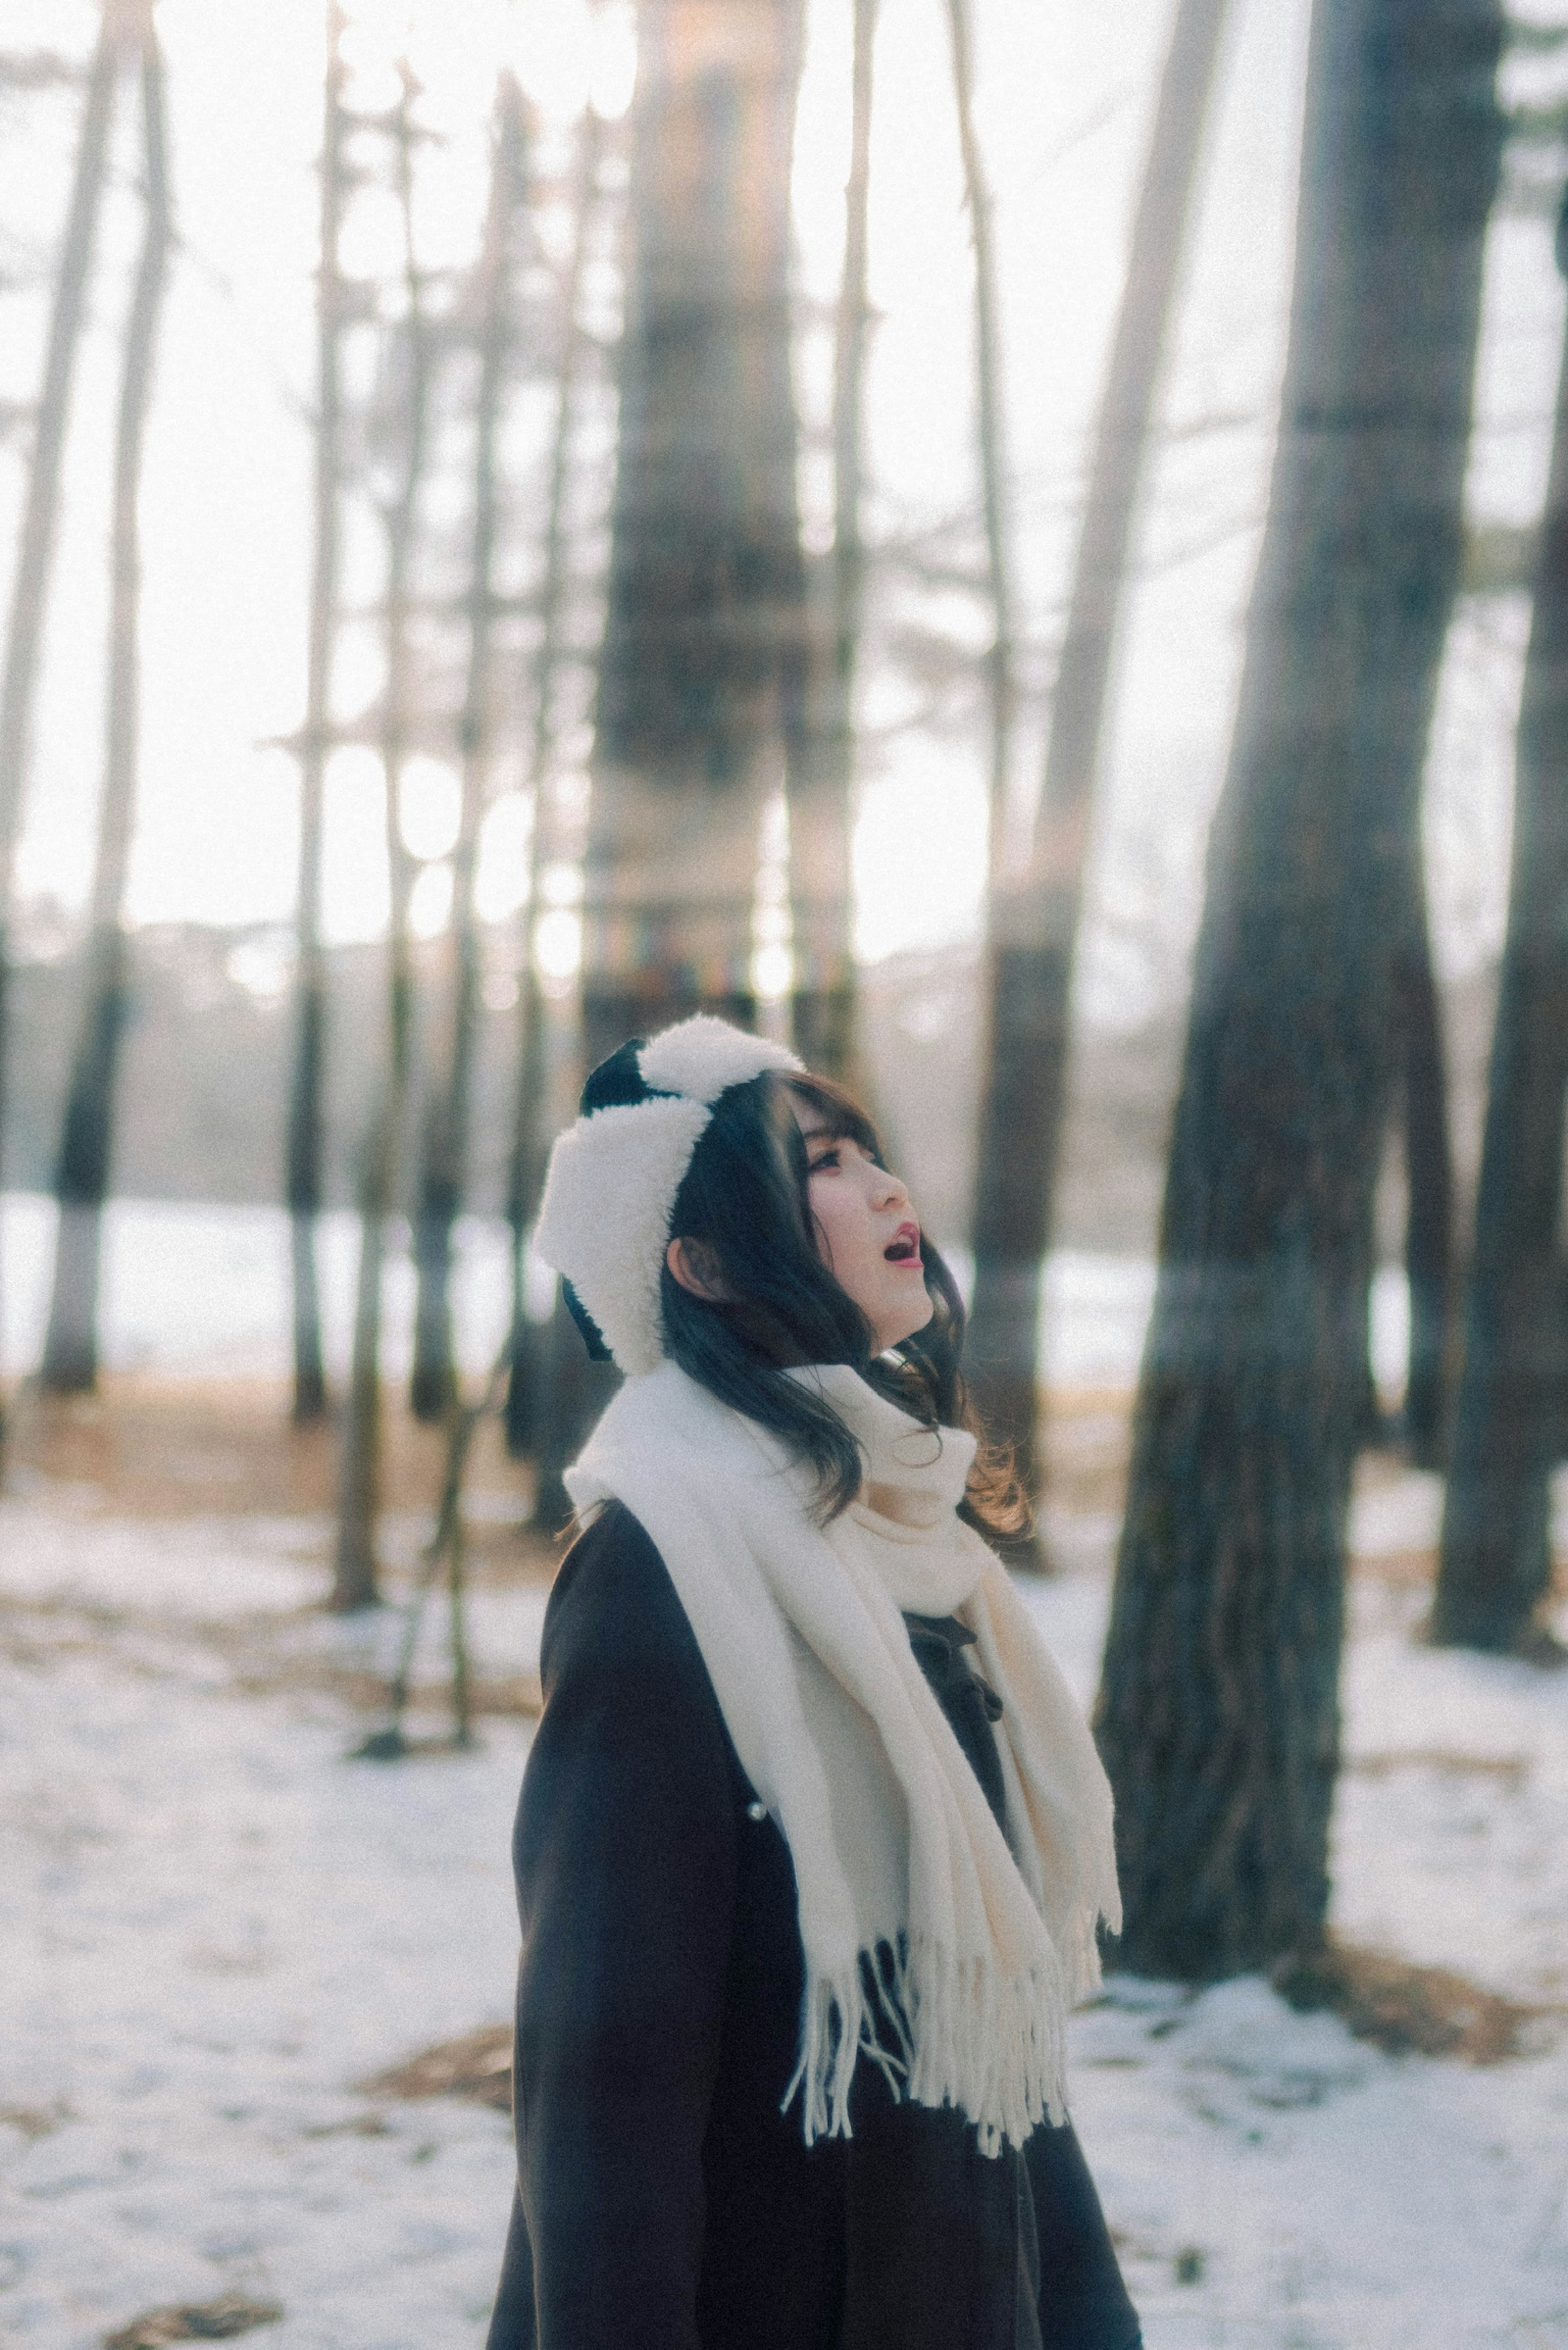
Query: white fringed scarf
[981, 1943]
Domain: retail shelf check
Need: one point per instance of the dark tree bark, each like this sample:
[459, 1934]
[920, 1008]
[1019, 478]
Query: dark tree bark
[1495, 1566]
[525, 1167]
[1033, 911]
[706, 616]
[35, 555]
[443, 1175]
[305, 1136]
[356, 1580]
[706, 620]
[1219, 1709]
[820, 766]
[86, 1141]
[1430, 1177]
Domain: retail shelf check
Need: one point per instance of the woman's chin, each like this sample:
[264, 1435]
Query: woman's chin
[894, 1323]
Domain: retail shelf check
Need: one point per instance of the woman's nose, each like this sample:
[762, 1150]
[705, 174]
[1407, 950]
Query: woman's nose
[891, 1188]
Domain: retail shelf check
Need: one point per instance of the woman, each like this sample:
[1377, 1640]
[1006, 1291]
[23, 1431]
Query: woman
[806, 1894]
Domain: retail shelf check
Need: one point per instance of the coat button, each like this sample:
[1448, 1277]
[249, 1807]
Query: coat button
[756, 1811]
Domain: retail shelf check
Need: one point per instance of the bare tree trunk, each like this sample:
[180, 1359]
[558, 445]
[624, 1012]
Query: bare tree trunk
[355, 1573]
[989, 420]
[1219, 1708]
[707, 607]
[526, 1169]
[1429, 1178]
[1495, 1565]
[303, 1148]
[820, 772]
[86, 1141]
[1033, 912]
[35, 556]
[445, 1172]
[706, 619]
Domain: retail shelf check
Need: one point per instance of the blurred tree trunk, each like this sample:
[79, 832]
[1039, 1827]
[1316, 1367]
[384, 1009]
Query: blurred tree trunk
[1218, 1712]
[1429, 1178]
[87, 1141]
[706, 619]
[991, 430]
[355, 1575]
[35, 555]
[1034, 908]
[525, 1166]
[302, 1147]
[443, 1180]
[820, 773]
[1495, 1566]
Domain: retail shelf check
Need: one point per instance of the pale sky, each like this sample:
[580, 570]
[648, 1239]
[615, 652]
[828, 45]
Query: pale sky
[1065, 98]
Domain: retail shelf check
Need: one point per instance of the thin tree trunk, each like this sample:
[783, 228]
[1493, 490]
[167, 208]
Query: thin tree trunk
[35, 556]
[445, 1172]
[820, 773]
[304, 1141]
[355, 1573]
[86, 1141]
[989, 420]
[1033, 911]
[1495, 1563]
[1219, 1708]
[1429, 1179]
[525, 1167]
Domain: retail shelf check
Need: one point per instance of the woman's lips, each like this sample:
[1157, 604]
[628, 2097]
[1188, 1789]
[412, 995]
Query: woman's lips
[904, 1248]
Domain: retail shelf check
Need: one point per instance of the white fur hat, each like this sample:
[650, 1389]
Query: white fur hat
[603, 1221]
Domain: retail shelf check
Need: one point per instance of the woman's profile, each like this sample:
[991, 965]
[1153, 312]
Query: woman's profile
[813, 1843]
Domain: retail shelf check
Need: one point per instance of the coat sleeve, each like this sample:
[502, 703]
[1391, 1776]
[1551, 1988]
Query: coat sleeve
[626, 1856]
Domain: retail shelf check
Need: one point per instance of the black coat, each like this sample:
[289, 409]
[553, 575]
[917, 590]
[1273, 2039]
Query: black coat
[664, 2201]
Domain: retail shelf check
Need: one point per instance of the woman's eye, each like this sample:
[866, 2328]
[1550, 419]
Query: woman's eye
[828, 1158]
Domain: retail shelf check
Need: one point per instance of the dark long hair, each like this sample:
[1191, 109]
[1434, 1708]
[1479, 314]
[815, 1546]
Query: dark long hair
[744, 1205]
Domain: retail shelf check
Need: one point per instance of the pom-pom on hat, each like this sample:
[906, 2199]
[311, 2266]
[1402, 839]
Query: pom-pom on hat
[610, 1194]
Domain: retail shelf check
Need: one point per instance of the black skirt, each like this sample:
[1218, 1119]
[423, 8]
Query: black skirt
[664, 2201]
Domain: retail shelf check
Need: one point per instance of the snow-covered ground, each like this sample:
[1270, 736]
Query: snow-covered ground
[198, 1289]
[212, 1926]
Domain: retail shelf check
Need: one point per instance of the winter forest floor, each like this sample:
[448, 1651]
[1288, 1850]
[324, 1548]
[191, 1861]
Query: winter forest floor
[217, 1931]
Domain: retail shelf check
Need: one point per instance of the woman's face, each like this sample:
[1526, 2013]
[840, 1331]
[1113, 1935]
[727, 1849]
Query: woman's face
[865, 1231]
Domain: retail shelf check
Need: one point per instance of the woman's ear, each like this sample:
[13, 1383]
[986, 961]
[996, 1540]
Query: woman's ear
[693, 1267]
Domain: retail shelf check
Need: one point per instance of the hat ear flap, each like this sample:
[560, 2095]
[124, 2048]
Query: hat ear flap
[605, 1216]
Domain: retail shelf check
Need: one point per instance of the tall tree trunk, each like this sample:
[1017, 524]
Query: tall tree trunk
[706, 619]
[706, 614]
[1495, 1566]
[303, 1140]
[991, 431]
[525, 1166]
[1218, 1710]
[820, 770]
[35, 555]
[445, 1172]
[355, 1574]
[1034, 911]
[86, 1141]
[1429, 1179]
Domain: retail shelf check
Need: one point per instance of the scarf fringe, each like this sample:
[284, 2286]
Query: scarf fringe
[944, 2030]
